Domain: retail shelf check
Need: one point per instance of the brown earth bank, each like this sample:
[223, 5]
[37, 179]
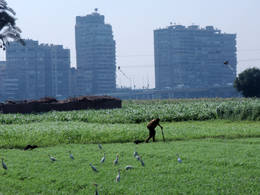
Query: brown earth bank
[48, 104]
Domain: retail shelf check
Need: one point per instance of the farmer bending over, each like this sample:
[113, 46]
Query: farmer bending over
[151, 126]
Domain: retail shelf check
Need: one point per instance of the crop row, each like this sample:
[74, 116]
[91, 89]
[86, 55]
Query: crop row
[143, 111]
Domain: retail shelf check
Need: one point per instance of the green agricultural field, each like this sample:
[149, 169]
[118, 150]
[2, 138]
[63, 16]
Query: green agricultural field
[143, 111]
[218, 141]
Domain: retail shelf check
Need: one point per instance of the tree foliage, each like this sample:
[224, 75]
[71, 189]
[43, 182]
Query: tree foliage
[8, 29]
[248, 82]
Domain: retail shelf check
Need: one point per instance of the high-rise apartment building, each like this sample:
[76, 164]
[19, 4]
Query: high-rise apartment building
[36, 70]
[193, 57]
[95, 50]
[25, 66]
[60, 68]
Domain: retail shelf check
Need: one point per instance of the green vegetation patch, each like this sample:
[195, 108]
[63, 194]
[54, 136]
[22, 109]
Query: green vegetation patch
[143, 111]
[54, 133]
[208, 167]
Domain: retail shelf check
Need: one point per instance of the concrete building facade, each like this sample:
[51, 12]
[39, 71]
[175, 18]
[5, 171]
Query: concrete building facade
[60, 69]
[193, 57]
[25, 67]
[95, 51]
[35, 71]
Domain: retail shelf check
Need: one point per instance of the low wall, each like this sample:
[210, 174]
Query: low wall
[49, 104]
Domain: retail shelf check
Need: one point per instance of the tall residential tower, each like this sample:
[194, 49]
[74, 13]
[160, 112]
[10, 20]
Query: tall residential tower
[193, 57]
[95, 50]
[36, 70]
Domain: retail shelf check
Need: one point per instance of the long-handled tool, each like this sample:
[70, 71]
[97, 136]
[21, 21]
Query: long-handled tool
[163, 134]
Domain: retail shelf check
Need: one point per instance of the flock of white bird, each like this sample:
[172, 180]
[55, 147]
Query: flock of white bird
[127, 167]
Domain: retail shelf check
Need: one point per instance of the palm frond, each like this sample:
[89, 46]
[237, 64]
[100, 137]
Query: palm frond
[8, 29]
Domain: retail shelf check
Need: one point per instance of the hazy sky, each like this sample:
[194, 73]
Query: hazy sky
[133, 22]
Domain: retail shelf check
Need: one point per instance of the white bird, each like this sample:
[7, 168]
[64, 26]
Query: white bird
[135, 153]
[71, 156]
[4, 165]
[179, 158]
[142, 162]
[116, 160]
[137, 157]
[128, 167]
[52, 158]
[96, 192]
[93, 168]
[103, 158]
[100, 146]
[118, 176]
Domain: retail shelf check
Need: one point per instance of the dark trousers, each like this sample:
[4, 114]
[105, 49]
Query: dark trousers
[152, 133]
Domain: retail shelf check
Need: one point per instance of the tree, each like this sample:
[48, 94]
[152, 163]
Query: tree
[248, 82]
[8, 29]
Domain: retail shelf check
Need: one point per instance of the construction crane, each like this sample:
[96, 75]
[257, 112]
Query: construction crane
[130, 80]
[229, 66]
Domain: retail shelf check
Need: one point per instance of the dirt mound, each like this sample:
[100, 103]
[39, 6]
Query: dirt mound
[48, 104]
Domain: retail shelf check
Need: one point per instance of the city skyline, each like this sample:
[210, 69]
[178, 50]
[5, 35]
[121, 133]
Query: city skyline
[133, 24]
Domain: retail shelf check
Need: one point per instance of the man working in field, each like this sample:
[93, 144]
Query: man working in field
[151, 127]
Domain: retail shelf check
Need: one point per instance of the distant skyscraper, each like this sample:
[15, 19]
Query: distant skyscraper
[25, 71]
[193, 57]
[95, 48]
[60, 68]
[35, 71]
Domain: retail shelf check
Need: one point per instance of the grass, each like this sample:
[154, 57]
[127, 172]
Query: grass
[144, 111]
[219, 156]
[54, 133]
[210, 166]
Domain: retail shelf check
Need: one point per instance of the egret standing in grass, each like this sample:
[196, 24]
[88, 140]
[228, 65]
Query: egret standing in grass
[135, 153]
[179, 158]
[4, 165]
[137, 157]
[103, 158]
[116, 160]
[100, 146]
[118, 176]
[93, 168]
[96, 192]
[128, 167]
[52, 158]
[71, 156]
[142, 162]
